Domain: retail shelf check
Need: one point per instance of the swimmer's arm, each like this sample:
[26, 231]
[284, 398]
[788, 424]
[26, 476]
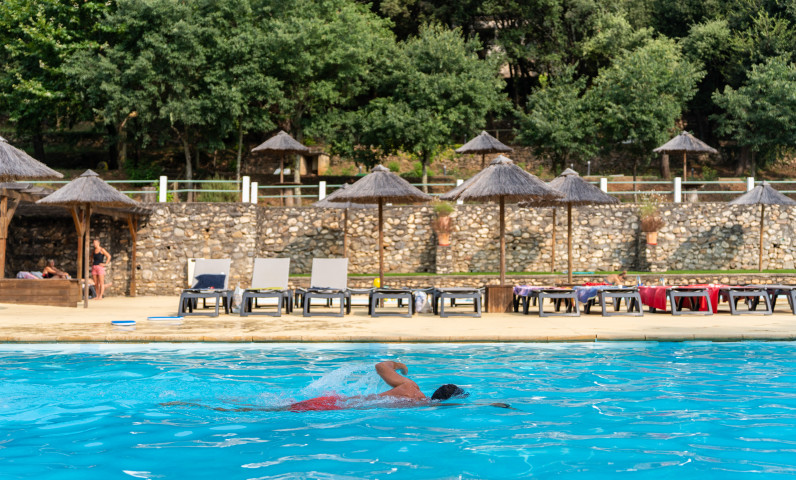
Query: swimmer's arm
[388, 371]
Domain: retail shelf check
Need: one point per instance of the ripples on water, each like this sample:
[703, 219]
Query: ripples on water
[646, 410]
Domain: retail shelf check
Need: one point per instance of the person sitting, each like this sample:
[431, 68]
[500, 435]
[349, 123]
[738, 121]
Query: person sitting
[616, 278]
[51, 271]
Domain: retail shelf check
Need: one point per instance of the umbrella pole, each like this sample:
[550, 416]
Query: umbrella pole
[553, 253]
[760, 252]
[381, 243]
[685, 155]
[345, 233]
[502, 241]
[569, 242]
[86, 233]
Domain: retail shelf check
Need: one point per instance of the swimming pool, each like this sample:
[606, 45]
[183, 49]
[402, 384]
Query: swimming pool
[646, 410]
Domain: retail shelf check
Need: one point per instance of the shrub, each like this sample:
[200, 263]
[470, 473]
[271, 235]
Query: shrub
[218, 191]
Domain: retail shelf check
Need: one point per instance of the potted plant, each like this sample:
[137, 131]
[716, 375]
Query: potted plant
[442, 224]
[650, 217]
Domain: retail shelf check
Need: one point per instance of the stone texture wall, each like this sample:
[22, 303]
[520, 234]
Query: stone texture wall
[32, 240]
[605, 238]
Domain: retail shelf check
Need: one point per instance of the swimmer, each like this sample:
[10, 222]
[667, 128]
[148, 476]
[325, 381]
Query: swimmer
[404, 393]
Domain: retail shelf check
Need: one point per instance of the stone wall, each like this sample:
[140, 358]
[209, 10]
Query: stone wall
[605, 238]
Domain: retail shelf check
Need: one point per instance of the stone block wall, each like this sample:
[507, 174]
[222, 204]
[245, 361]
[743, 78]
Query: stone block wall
[695, 237]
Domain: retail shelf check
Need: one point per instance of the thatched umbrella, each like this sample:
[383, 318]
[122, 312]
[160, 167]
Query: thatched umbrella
[763, 194]
[328, 203]
[484, 143]
[281, 144]
[685, 143]
[381, 186]
[576, 191]
[80, 195]
[502, 182]
[15, 164]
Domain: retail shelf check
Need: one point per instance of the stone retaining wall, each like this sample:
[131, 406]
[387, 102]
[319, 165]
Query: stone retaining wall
[605, 238]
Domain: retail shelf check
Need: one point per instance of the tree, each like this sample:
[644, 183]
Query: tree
[639, 97]
[37, 37]
[558, 121]
[437, 87]
[760, 116]
[325, 55]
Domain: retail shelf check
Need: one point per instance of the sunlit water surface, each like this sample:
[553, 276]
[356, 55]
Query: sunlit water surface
[605, 410]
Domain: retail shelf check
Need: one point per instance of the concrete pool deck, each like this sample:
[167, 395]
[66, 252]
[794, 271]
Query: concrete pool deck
[29, 323]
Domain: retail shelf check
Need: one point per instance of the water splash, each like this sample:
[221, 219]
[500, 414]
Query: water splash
[348, 380]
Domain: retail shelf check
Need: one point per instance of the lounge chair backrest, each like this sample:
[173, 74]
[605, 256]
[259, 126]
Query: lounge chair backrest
[213, 267]
[271, 273]
[329, 273]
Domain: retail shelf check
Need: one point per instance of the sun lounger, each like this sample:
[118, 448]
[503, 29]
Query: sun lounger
[439, 296]
[695, 296]
[559, 296]
[378, 295]
[613, 294]
[269, 280]
[210, 282]
[329, 281]
[752, 294]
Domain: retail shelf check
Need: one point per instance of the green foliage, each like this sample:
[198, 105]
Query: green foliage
[709, 174]
[443, 209]
[229, 191]
[558, 121]
[394, 166]
[143, 171]
[761, 114]
[639, 97]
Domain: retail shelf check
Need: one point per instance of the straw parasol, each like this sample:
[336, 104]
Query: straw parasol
[685, 143]
[763, 194]
[484, 143]
[577, 192]
[79, 196]
[15, 164]
[281, 144]
[381, 186]
[18, 165]
[502, 182]
[328, 203]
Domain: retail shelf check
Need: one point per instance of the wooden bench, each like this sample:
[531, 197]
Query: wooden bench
[53, 292]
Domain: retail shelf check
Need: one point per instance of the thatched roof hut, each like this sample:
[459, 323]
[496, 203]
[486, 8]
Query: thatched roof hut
[381, 186]
[80, 195]
[577, 192]
[763, 194]
[484, 143]
[503, 182]
[281, 144]
[15, 164]
[685, 143]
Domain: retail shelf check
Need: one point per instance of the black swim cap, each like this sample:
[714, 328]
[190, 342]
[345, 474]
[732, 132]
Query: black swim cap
[447, 391]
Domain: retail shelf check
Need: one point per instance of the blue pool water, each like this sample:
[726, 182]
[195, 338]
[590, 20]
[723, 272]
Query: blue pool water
[605, 410]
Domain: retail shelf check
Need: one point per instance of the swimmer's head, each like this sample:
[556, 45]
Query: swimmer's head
[448, 391]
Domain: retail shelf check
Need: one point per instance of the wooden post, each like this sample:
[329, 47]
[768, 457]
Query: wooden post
[483, 160]
[553, 252]
[569, 242]
[502, 240]
[132, 224]
[685, 172]
[86, 233]
[77, 217]
[760, 254]
[345, 233]
[7, 208]
[381, 243]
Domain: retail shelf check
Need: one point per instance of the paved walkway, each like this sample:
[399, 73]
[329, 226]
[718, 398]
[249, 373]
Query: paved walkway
[26, 323]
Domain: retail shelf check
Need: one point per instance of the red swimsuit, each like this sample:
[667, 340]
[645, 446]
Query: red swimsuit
[328, 402]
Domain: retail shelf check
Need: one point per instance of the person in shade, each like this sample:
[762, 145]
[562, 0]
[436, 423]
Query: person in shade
[404, 392]
[100, 259]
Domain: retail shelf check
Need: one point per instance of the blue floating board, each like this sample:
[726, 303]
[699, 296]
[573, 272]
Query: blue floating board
[164, 319]
[123, 323]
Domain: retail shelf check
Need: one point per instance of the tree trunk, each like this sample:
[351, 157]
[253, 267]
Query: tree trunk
[186, 149]
[752, 163]
[38, 146]
[240, 151]
[665, 172]
[743, 163]
[635, 170]
[114, 147]
[297, 169]
[424, 179]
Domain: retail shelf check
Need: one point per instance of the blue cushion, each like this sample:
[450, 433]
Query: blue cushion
[208, 280]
